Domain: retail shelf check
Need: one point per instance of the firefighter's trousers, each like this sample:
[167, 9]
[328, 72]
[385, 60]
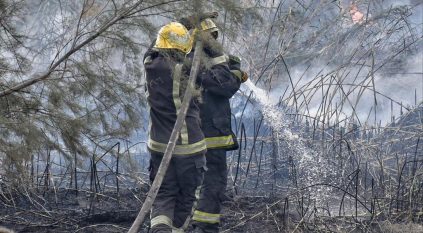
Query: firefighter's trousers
[177, 194]
[207, 215]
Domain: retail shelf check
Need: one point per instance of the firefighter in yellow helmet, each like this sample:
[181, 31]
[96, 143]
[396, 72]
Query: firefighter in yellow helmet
[166, 76]
[218, 86]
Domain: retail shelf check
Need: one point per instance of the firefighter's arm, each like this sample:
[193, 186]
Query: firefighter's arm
[218, 79]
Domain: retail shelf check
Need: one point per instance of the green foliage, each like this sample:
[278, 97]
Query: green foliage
[2, 5]
[92, 98]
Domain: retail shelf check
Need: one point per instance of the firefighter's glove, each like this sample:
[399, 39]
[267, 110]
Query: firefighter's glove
[244, 76]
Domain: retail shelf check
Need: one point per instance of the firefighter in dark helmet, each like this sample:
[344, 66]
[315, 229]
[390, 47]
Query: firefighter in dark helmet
[217, 89]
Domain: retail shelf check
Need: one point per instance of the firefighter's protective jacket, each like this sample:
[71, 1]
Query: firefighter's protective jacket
[166, 80]
[220, 83]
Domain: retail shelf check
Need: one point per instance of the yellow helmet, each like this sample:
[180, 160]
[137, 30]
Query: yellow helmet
[174, 36]
[208, 25]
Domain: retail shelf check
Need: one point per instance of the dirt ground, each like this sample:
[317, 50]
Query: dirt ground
[84, 212]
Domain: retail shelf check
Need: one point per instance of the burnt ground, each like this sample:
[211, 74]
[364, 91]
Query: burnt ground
[68, 211]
